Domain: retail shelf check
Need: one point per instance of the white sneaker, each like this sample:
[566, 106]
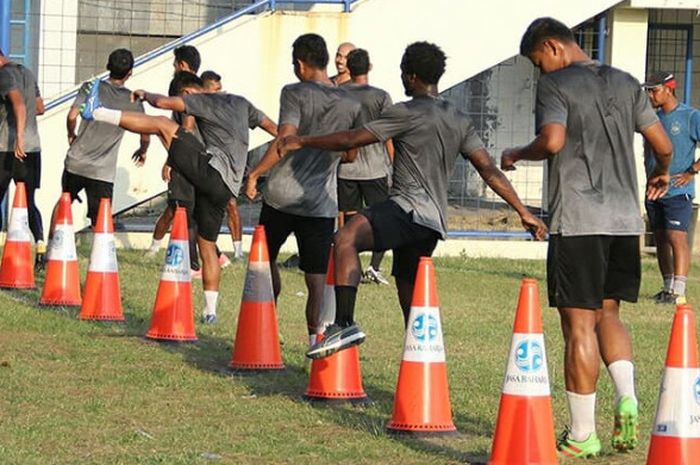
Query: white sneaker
[375, 276]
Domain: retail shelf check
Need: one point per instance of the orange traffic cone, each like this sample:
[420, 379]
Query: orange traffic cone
[422, 402]
[337, 378]
[173, 313]
[62, 283]
[17, 268]
[257, 346]
[525, 427]
[675, 439]
[103, 298]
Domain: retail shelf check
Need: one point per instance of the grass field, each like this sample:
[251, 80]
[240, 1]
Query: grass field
[74, 392]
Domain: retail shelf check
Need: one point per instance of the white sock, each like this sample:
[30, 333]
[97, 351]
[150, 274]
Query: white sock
[679, 284]
[622, 374]
[312, 339]
[210, 299]
[668, 283]
[107, 115]
[237, 249]
[582, 411]
[155, 245]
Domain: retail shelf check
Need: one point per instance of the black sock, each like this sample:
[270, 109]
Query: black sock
[345, 305]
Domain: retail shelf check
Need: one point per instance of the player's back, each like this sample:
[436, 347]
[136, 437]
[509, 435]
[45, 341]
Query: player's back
[305, 181]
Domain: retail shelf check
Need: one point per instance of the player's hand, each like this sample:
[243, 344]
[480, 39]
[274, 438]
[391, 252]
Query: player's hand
[508, 159]
[657, 185]
[680, 180]
[138, 95]
[165, 173]
[534, 226]
[139, 157]
[71, 138]
[288, 144]
[251, 187]
[19, 148]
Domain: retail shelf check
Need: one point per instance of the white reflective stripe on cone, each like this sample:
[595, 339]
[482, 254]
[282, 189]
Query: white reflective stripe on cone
[103, 258]
[678, 413]
[177, 262]
[62, 244]
[526, 370]
[18, 229]
[423, 342]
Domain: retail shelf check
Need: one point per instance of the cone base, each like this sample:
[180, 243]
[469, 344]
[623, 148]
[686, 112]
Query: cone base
[59, 303]
[255, 368]
[12, 286]
[104, 318]
[320, 399]
[665, 450]
[420, 433]
[170, 338]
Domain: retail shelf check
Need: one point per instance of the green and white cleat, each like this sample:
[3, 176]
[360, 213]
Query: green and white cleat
[625, 435]
[568, 447]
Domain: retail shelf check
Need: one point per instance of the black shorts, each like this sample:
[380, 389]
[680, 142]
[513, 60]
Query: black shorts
[94, 189]
[394, 229]
[354, 195]
[314, 236]
[188, 157]
[670, 212]
[27, 171]
[180, 191]
[584, 270]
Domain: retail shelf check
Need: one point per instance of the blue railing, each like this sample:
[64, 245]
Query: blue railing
[170, 46]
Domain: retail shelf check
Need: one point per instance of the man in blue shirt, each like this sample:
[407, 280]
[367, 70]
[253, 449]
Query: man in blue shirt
[670, 215]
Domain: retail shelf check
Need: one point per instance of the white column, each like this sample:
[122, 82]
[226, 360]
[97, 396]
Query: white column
[628, 51]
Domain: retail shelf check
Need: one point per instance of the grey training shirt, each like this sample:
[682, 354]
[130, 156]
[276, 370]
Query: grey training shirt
[95, 149]
[20, 78]
[305, 181]
[428, 134]
[372, 162]
[223, 121]
[593, 180]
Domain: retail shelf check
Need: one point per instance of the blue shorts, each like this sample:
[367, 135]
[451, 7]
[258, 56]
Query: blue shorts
[670, 212]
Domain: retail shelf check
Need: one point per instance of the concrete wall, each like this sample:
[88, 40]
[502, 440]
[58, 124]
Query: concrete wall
[254, 56]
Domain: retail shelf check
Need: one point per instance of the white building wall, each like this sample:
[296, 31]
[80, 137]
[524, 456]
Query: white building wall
[58, 28]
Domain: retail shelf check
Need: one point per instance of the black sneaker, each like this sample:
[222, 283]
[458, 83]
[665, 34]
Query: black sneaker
[336, 338]
[40, 262]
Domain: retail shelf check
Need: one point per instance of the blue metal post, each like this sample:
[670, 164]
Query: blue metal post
[688, 88]
[273, 5]
[5, 16]
[602, 26]
[347, 6]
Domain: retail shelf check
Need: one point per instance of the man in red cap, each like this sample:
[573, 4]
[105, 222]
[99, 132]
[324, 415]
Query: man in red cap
[669, 216]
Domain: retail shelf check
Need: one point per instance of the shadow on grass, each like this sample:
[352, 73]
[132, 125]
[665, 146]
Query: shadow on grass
[212, 355]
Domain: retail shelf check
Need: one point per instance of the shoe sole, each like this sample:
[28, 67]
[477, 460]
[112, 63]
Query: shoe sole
[625, 435]
[327, 351]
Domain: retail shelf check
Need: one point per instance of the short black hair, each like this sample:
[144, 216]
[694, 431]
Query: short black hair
[542, 29]
[189, 55]
[183, 79]
[425, 60]
[119, 63]
[210, 76]
[358, 62]
[311, 49]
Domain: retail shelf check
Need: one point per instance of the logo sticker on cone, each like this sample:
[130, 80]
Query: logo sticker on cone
[422, 401]
[257, 346]
[102, 300]
[62, 283]
[525, 427]
[337, 378]
[675, 439]
[173, 312]
[17, 267]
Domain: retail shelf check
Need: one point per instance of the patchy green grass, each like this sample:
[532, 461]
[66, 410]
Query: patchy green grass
[74, 392]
